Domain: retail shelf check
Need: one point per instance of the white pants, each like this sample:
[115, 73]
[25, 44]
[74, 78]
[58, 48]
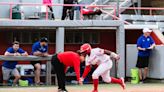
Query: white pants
[103, 70]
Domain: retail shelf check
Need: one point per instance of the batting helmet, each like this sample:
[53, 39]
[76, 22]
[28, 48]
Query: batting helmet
[85, 48]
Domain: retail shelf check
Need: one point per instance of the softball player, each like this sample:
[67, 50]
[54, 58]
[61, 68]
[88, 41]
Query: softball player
[100, 57]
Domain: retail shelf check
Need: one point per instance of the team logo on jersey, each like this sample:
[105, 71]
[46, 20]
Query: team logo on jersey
[148, 39]
[42, 49]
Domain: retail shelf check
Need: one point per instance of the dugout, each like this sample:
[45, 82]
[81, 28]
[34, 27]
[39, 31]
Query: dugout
[111, 32]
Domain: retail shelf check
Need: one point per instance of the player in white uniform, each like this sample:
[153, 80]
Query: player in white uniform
[102, 58]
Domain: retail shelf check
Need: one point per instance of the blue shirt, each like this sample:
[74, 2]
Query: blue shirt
[12, 64]
[144, 42]
[37, 47]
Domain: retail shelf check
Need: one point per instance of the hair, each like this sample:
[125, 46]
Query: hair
[80, 53]
[15, 42]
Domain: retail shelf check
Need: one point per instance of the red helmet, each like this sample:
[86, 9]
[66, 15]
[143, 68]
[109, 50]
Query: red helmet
[85, 48]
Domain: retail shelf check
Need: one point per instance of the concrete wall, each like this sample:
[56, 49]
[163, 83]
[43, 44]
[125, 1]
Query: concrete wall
[86, 1]
[156, 61]
[29, 10]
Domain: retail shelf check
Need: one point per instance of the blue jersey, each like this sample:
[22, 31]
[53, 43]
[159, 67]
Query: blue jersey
[144, 42]
[37, 47]
[12, 64]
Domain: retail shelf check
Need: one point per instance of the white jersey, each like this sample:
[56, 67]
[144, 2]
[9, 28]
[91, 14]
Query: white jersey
[97, 56]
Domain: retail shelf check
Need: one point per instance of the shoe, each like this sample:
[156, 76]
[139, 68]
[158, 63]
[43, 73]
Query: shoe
[63, 90]
[59, 90]
[141, 82]
[95, 91]
[14, 85]
[123, 85]
[40, 83]
[144, 80]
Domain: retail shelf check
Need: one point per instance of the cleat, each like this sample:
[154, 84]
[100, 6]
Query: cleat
[59, 90]
[63, 90]
[123, 85]
[95, 91]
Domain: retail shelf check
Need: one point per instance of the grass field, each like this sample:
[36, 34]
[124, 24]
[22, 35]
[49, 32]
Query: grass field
[155, 87]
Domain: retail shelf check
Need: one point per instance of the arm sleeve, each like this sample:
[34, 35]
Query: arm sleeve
[21, 51]
[9, 50]
[77, 69]
[86, 71]
[99, 52]
[34, 48]
[139, 42]
[47, 48]
[152, 41]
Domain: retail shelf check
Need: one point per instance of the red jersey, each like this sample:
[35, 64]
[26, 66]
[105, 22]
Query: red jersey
[47, 1]
[70, 58]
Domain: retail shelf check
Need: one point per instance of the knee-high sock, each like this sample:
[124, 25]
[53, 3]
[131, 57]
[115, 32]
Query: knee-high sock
[115, 80]
[95, 83]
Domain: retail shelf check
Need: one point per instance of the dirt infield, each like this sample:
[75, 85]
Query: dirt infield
[88, 88]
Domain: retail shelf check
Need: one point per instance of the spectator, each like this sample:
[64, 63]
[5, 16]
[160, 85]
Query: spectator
[68, 9]
[39, 48]
[145, 44]
[48, 3]
[9, 67]
[63, 60]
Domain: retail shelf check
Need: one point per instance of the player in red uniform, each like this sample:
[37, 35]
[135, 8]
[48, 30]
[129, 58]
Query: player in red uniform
[102, 58]
[63, 60]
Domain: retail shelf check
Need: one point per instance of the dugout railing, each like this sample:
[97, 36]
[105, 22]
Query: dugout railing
[32, 59]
